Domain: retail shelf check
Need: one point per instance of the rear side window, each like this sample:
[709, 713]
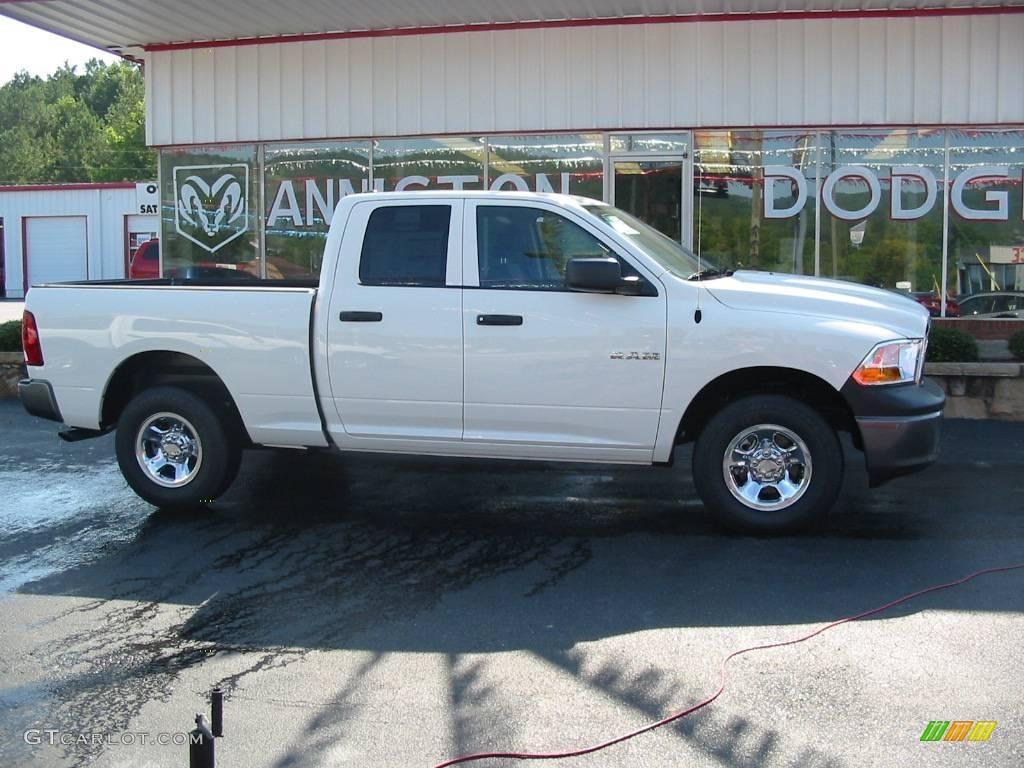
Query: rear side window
[406, 245]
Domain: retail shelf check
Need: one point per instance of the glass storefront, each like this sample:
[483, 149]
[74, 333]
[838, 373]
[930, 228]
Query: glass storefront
[876, 206]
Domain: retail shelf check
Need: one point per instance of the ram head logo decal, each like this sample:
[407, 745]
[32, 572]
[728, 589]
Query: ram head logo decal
[210, 204]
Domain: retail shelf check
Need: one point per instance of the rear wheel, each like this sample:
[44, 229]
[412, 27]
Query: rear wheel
[173, 450]
[767, 464]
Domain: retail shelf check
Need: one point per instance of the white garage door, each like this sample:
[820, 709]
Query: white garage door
[56, 249]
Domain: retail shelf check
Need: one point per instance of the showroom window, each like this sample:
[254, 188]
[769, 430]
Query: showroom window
[410, 164]
[209, 199]
[754, 199]
[567, 163]
[881, 215]
[303, 184]
[986, 217]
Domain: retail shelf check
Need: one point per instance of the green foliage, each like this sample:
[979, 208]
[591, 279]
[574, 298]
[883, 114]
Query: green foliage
[1017, 345]
[86, 127]
[948, 345]
[10, 336]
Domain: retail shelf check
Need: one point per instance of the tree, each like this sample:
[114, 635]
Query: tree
[75, 127]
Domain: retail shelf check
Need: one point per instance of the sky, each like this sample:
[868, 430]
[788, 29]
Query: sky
[41, 53]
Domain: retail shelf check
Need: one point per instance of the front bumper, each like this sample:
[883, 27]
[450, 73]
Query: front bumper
[900, 426]
[37, 397]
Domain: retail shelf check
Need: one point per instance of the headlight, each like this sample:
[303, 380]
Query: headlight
[892, 362]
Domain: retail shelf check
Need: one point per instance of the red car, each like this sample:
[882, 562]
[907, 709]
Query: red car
[146, 261]
[931, 301]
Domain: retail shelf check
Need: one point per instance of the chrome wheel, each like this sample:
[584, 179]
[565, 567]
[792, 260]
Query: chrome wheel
[767, 467]
[168, 450]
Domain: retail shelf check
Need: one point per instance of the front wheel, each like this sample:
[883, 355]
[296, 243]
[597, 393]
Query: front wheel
[767, 464]
[173, 449]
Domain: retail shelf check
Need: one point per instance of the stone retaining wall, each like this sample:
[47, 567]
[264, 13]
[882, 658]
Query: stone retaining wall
[981, 390]
[12, 368]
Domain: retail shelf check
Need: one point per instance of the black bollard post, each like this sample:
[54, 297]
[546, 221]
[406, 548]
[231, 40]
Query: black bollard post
[217, 711]
[200, 745]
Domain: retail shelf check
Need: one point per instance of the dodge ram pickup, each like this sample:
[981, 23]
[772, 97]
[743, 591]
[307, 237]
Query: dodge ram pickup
[497, 325]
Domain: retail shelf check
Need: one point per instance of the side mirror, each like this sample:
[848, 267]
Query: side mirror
[594, 274]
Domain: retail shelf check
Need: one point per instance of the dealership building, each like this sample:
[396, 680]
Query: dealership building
[881, 142]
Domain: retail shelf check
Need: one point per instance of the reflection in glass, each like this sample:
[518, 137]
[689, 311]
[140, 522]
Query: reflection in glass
[303, 185]
[651, 143]
[208, 208]
[444, 163]
[881, 217]
[734, 225]
[651, 190]
[986, 216]
[571, 164]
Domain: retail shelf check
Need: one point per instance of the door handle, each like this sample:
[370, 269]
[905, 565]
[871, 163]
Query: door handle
[361, 317]
[499, 319]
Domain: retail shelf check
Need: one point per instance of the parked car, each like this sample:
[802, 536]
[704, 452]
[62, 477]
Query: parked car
[487, 324]
[931, 301]
[145, 264]
[1000, 304]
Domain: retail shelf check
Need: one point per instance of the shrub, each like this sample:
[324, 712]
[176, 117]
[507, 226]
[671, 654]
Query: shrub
[10, 336]
[1017, 345]
[948, 345]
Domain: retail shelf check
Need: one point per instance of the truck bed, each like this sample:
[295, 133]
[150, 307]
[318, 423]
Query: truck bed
[253, 334]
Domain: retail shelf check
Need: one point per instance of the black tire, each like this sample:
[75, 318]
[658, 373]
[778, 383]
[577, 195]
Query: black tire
[208, 457]
[816, 479]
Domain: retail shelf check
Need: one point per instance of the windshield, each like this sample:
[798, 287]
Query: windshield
[668, 253]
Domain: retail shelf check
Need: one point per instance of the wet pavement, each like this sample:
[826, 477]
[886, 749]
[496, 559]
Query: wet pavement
[389, 611]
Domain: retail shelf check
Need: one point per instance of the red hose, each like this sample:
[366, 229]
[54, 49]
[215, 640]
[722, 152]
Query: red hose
[722, 679]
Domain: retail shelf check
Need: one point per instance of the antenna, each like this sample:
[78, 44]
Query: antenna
[700, 219]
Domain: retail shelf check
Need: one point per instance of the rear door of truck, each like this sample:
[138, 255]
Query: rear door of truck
[394, 325]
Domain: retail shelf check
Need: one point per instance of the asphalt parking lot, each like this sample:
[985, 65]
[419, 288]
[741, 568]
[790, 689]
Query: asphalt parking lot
[395, 612]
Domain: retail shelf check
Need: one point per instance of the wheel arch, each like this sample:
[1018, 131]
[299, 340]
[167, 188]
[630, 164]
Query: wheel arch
[145, 370]
[759, 380]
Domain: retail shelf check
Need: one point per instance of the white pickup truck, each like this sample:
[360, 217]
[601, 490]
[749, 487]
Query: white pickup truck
[498, 325]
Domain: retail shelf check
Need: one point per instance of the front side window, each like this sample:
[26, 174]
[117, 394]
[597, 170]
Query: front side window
[406, 245]
[520, 247]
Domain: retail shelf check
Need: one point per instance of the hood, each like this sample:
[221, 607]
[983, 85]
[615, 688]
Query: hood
[821, 297]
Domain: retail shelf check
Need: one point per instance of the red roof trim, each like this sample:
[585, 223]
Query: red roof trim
[69, 187]
[603, 22]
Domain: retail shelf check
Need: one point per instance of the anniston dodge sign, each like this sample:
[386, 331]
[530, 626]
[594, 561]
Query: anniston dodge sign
[287, 208]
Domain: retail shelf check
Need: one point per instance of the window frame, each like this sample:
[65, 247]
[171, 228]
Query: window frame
[471, 267]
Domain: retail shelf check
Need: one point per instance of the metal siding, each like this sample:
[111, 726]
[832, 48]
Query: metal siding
[225, 79]
[481, 76]
[956, 66]
[247, 78]
[817, 80]
[760, 73]
[204, 103]
[928, 57]
[685, 91]
[1010, 69]
[899, 71]
[294, 76]
[268, 67]
[871, 70]
[984, 49]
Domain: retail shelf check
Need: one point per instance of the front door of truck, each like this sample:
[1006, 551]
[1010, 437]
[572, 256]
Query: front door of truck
[395, 322]
[545, 366]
